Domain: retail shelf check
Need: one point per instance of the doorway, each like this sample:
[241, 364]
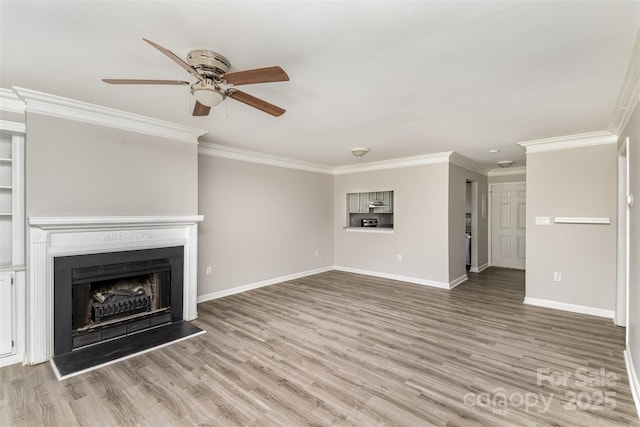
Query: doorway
[471, 226]
[467, 224]
[508, 225]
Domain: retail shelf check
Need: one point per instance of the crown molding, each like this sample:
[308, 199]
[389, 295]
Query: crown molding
[57, 106]
[9, 101]
[426, 159]
[222, 151]
[216, 150]
[570, 141]
[519, 170]
[466, 163]
[629, 94]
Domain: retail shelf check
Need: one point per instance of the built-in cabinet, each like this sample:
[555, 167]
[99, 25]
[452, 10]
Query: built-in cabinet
[12, 237]
[7, 313]
[384, 197]
[359, 202]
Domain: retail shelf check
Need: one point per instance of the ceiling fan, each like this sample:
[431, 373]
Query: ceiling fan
[215, 83]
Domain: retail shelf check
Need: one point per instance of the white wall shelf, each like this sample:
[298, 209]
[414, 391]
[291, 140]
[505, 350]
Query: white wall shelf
[12, 253]
[581, 220]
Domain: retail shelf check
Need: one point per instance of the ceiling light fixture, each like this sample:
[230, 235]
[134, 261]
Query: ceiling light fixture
[505, 163]
[207, 94]
[359, 151]
[494, 151]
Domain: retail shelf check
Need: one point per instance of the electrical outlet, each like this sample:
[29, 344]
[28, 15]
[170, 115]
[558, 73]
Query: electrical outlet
[399, 257]
[557, 277]
[207, 271]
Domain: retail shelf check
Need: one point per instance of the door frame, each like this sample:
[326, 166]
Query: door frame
[490, 215]
[623, 235]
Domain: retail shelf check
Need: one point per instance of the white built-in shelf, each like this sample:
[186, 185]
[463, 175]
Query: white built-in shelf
[5, 160]
[5, 214]
[5, 187]
[581, 220]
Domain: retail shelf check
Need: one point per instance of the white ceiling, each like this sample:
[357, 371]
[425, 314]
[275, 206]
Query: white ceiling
[402, 78]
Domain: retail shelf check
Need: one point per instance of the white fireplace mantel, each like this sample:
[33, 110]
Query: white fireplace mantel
[50, 237]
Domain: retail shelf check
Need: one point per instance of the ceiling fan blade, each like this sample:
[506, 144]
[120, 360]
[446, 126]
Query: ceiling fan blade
[176, 59]
[255, 102]
[200, 110]
[259, 75]
[145, 82]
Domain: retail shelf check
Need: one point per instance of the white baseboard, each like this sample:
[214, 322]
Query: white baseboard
[409, 279]
[633, 379]
[457, 281]
[11, 360]
[479, 269]
[582, 309]
[260, 284]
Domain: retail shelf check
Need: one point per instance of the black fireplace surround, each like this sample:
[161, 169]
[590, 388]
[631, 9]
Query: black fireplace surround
[105, 296]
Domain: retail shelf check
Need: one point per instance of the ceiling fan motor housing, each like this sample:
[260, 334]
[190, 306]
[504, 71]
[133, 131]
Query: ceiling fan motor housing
[208, 63]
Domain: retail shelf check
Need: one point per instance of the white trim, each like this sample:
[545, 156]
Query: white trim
[276, 280]
[10, 102]
[89, 222]
[425, 159]
[216, 150]
[369, 230]
[466, 163]
[574, 308]
[580, 220]
[57, 106]
[459, 280]
[628, 98]
[520, 170]
[480, 269]
[111, 362]
[569, 141]
[13, 127]
[408, 279]
[633, 379]
[260, 284]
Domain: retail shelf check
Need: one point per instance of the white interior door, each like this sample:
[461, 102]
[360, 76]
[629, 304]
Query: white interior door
[508, 225]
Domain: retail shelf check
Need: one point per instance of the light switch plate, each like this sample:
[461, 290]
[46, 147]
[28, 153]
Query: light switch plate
[543, 220]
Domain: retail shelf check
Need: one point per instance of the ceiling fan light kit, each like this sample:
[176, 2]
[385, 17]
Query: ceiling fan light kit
[209, 96]
[212, 71]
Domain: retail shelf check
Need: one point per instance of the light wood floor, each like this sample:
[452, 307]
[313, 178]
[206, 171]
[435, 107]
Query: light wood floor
[345, 349]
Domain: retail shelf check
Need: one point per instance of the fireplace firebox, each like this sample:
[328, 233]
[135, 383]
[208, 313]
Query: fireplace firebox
[105, 296]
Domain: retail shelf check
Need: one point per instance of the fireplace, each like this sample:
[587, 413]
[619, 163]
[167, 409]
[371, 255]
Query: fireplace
[54, 240]
[106, 296]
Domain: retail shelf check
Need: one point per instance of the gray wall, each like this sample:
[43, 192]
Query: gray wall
[633, 295]
[420, 223]
[261, 222]
[457, 208]
[574, 182]
[78, 169]
[499, 179]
